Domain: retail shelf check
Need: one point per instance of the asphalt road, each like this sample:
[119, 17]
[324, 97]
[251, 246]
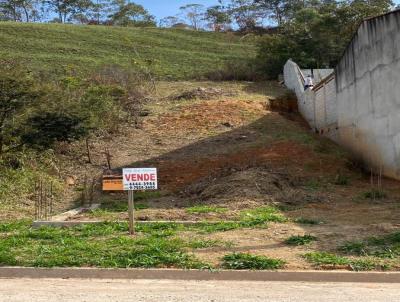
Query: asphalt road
[78, 290]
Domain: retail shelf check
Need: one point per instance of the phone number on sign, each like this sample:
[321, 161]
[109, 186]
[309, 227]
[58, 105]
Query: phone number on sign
[142, 186]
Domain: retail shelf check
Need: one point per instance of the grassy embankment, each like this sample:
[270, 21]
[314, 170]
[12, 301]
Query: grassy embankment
[168, 53]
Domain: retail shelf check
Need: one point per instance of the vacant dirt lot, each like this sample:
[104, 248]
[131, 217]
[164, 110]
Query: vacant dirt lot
[232, 152]
[233, 155]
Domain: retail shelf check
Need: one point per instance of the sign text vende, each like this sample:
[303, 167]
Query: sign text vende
[139, 179]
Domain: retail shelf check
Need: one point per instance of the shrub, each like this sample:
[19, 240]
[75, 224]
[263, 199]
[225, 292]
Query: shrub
[300, 240]
[321, 258]
[50, 127]
[303, 220]
[17, 92]
[242, 261]
[375, 194]
[236, 71]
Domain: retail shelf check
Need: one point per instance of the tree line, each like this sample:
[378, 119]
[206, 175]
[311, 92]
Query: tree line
[227, 15]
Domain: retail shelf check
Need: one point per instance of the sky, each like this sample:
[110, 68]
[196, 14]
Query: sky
[164, 8]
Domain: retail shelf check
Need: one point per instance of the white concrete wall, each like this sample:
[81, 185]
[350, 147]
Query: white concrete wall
[368, 93]
[312, 105]
[326, 108]
[294, 80]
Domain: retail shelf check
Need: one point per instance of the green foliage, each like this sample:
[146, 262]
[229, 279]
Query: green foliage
[374, 194]
[303, 220]
[206, 243]
[242, 261]
[201, 209]
[342, 180]
[17, 92]
[210, 227]
[101, 245]
[300, 240]
[273, 52]
[50, 127]
[19, 172]
[131, 14]
[387, 246]
[262, 215]
[363, 264]
[245, 70]
[172, 54]
[315, 34]
[323, 258]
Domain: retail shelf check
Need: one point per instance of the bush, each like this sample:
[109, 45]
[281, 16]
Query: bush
[236, 71]
[300, 240]
[17, 92]
[248, 261]
[273, 52]
[51, 127]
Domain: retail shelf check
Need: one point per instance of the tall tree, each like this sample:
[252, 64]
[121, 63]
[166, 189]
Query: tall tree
[130, 14]
[169, 21]
[19, 10]
[67, 9]
[246, 13]
[194, 13]
[218, 17]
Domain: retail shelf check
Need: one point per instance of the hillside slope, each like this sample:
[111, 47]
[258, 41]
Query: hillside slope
[169, 53]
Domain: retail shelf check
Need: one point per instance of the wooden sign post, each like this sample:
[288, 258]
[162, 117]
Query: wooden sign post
[131, 211]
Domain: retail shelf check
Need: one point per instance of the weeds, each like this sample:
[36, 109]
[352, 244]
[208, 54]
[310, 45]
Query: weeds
[313, 185]
[342, 180]
[262, 215]
[242, 261]
[374, 194]
[102, 245]
[303, 220]
[323, 258]
[300, 240]
[202, 209]
[387, 246]
[206, 243]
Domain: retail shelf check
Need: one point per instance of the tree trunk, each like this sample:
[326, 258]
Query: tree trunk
[26, 14]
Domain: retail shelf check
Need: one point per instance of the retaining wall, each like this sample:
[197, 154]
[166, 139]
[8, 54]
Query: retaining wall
[319, 105]
[359, 104]
[368, 93]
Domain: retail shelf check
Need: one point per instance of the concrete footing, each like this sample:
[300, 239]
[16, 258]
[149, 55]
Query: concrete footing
[175, 274]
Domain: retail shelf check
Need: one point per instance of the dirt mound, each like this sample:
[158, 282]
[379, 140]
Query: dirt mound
[202, 93]
[255, 183]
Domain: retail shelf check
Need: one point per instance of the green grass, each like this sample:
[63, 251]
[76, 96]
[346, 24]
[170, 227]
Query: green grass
[310, 221]
[361, 264]
[206, 243]
[107, 244]
[386, 246]
[100, 245]
[374, 194]
[202, 209]
[241, 261]
[342, 180]
[323, 258]
[300, 240]
[262, 215]
[168, 53]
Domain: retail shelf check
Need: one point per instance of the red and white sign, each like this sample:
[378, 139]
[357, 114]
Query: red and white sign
[139, 179]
